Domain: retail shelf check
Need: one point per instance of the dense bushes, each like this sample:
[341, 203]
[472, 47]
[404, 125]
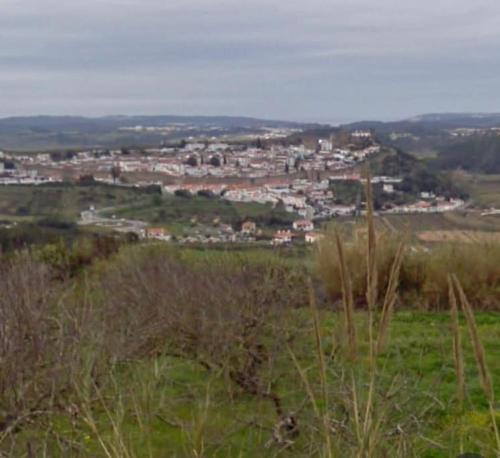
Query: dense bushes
[61, 337]
[43, 340]
[202, 308]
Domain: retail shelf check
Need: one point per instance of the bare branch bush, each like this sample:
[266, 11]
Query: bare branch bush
[37, 348]
[219, 314]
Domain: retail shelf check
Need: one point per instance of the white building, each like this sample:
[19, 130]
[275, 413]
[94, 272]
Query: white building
[282, 238]
[303, 225]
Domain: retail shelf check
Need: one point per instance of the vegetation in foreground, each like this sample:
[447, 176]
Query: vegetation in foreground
[154, 351]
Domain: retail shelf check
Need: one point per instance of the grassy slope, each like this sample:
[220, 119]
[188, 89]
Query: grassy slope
[64, 201]
[485, 190]
[27, 203]
[169, 407]
[180, 210]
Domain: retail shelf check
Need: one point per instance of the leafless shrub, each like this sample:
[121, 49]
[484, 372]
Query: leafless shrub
[35, 351]
[215, 313]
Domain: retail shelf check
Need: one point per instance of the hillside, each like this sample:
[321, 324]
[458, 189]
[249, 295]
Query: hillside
[431, 123]
[418, 175]
[478, 153]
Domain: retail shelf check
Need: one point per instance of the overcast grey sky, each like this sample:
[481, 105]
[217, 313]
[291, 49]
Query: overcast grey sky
[313, 60]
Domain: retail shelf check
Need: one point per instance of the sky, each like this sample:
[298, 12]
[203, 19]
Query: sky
[310, 60]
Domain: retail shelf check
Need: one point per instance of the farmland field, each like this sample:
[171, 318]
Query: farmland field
[484, 189]
[60, 200]
[24, 203]
[470, 223]
[459, 236]
[175, 210]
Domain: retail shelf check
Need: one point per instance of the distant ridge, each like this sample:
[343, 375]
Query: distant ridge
[62, 122]
[432, 121]
[62, 132]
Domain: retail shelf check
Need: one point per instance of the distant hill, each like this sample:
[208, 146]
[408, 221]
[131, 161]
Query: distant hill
[64, 132]
[431, 135]
[418, 175]
[431, 123]
[478, 153]
[456, 120]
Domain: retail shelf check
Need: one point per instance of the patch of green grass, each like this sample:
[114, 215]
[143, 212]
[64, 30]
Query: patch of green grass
[167, 406]
[64, 201]
[177, 210]
[484, 189]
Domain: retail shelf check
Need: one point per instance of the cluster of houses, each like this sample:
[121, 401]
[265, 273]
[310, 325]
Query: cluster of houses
[19, 176]
[286, 237]
[312, 199]
[208, 159]
[436, 205]
[302, 230]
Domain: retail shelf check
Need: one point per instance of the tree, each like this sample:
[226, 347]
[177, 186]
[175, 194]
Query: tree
[206, 193]
[182, 193]
[192, 161]
[86, 180]
[215, 161]
[56, 156]
[115, 173]
[9, 165]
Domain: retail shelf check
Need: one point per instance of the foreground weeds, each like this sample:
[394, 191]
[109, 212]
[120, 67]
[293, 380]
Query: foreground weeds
[157, 352]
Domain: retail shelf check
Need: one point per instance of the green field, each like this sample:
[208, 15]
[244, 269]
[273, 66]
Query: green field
[61, 200]
[66, 202]
[484, 190]
[176, 211]
[174, 407]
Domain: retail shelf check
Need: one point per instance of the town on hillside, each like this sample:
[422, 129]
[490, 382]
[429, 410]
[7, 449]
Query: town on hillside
[314, 179]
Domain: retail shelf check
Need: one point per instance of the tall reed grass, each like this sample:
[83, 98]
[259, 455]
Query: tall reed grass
[423, 281]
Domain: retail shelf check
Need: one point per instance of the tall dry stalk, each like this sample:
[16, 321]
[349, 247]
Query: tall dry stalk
[322, 369]
[480, 356]
[458, 355]
[371, 284]
[347, 298]
[371, 298]
[390, 298]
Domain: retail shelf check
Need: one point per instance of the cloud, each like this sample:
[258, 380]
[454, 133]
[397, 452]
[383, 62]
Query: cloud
[320, 59]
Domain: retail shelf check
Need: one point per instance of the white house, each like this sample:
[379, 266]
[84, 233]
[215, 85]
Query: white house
[157, 233]
[282, 238]
[304, 225]
[248, 228]
[388, 188]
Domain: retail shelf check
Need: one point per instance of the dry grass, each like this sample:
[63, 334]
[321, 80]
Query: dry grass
[423, 273]
[459, 236]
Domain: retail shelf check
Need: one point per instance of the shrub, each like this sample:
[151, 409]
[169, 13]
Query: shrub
[42, 343]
